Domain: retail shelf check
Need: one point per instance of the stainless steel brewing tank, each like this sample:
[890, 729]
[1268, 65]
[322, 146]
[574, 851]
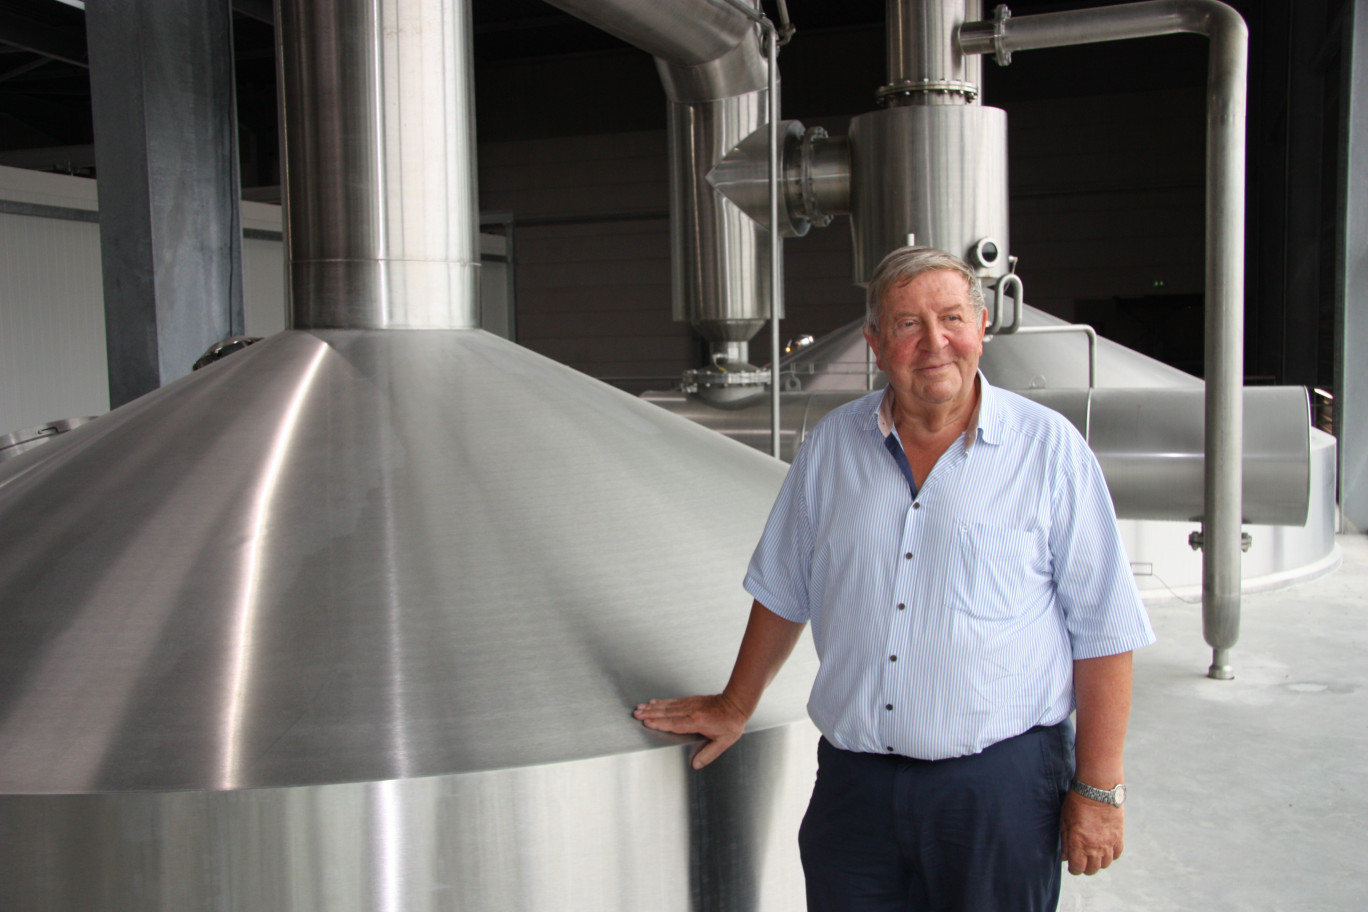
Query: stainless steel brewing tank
[938, 172]
[354, 620]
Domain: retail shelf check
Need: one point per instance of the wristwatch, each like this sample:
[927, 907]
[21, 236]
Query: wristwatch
[1115, 797]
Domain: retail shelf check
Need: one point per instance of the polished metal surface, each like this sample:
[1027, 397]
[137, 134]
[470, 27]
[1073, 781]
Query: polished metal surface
[683, 32]
[1165, 565]
[1227, 72]
[1117, 22]
[776, 237]
[936, 171]
[1148, 441]
[430, 564]
[348, 556]
[720, 257]
[925, 65]
[814, 177]
[617, 833]
[381, 211]
[749, 421]
[721, 90]
[742, 69]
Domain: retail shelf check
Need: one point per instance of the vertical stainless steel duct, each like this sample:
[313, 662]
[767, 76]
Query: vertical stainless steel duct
[925, 66]
[382, 220]
[720, 257]
[931, 166]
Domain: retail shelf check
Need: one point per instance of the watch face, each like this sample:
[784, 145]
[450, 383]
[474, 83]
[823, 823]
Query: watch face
[1120, 793]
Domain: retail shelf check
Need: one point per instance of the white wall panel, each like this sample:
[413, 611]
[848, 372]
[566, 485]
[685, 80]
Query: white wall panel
[263, 272]
[52, 351]
[52, 333]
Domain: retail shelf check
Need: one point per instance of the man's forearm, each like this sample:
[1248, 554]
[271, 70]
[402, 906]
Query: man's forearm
[766, 645]
[1103, 690]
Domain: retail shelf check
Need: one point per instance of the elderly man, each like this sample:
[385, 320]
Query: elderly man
[955, 549]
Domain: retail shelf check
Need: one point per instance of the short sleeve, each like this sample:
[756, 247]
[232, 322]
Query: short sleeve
[780, 569]
[1103, 612]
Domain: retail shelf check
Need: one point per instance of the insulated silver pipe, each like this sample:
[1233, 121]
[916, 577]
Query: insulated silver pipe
[682, 32]
[720, 258]
[377, 109]
[720, 92]
[1226, 90]
[776, 237]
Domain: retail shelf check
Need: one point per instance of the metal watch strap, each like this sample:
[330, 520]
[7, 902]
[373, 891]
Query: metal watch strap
[1114, 797]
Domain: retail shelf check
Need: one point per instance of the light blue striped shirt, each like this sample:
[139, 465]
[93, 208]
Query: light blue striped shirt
[947, 623]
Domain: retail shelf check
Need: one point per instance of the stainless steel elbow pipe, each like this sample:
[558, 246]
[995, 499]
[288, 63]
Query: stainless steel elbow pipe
[1226, 81]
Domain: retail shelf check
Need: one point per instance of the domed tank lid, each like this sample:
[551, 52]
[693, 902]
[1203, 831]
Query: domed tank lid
[353, 555]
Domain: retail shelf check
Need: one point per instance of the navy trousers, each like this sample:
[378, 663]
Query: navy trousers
[970, 834]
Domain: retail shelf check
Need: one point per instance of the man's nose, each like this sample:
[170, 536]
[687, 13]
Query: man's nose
[935, 337]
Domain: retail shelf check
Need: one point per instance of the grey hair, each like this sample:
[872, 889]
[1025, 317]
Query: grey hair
[905, 264]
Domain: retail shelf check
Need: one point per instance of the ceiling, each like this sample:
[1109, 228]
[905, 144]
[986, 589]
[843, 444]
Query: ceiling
[45, 116]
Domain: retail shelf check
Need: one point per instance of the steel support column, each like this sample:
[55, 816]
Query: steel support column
[1351, 397]
[166, 159]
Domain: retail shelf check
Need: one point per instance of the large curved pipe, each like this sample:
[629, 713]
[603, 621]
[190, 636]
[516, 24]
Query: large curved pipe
[682, 32]
[1226, 88]
[716, 78]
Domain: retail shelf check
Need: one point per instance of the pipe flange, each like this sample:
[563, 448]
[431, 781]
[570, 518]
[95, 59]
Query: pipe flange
[811, 210]
[1002, 55]
[911, 86]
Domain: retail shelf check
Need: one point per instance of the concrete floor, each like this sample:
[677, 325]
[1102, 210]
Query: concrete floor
[1249, 794]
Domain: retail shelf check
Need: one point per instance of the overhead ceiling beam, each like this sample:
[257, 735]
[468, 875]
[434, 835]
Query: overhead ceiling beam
[17, 30]
[261, 10]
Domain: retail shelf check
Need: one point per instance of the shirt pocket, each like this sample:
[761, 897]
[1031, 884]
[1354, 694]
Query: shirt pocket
[996, 564]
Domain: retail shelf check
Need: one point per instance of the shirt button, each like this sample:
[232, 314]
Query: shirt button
[908, 555]
[892, 658]
[889, 707]
[890, 750]
[901, 606]
[916, 505]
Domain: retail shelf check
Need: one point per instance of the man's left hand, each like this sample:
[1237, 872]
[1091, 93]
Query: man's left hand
[1091, 833]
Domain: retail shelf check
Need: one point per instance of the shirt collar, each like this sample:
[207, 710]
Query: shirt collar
[983, 420]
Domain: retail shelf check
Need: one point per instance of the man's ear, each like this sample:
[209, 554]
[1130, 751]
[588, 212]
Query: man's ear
[873, 341]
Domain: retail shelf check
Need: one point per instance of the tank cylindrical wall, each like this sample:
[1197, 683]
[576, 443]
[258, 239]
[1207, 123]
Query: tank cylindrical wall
[377, 109]
[618, 833]
[936, 171]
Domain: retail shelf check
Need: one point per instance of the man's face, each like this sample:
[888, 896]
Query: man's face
[929, 340]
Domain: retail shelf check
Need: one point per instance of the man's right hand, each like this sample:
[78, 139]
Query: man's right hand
[716, 717]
